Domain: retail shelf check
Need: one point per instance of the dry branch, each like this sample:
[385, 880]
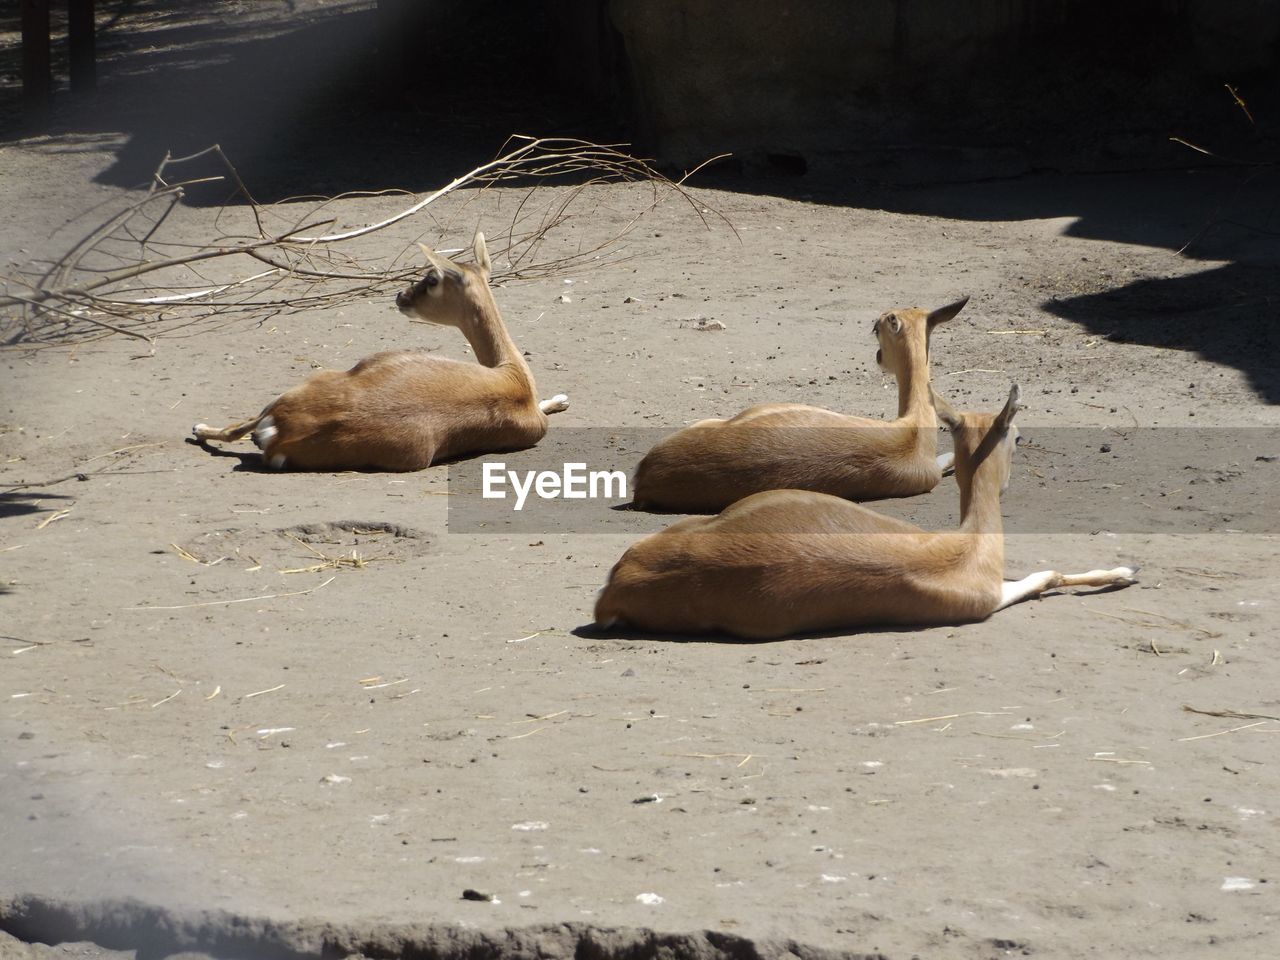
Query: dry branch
[133, 274]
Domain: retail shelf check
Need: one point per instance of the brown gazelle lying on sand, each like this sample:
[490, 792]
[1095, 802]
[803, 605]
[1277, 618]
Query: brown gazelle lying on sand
[405, 410]
[791, 561]
[774, 446]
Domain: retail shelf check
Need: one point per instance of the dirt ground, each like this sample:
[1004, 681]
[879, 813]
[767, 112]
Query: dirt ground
[234, 760]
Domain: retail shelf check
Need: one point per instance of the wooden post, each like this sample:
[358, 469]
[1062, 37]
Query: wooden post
[37, 84]
[80, 40]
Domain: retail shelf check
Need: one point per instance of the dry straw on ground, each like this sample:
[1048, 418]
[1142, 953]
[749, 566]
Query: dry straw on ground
[137, 272]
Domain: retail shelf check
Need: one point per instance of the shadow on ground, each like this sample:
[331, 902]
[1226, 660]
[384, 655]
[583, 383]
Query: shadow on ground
[16, 503]
[1228, 315]
[1226, 217]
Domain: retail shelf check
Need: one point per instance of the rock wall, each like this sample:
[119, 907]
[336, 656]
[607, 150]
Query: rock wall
[996, 85]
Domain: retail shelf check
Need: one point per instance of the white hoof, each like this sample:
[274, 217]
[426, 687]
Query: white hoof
[200, 430]
[1125, 574]
[276, 462]
[946, 463]
[557, 404]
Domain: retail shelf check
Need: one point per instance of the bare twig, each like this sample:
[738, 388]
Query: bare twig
[11, 487]
[1240, 103]
[1232, 714]
[1221, 733]
[136, 271]
[220, 603]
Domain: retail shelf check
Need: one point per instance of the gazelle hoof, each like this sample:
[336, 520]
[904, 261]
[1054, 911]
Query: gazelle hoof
[199, 430]
[557, 404]
[1126, 574]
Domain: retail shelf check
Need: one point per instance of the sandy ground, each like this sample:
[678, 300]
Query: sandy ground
[243, 762]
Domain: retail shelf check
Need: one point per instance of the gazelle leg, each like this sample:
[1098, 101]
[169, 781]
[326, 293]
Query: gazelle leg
[1014, 591]
[946, 463]
[1120, 576]
[202, 431]
[557, 404]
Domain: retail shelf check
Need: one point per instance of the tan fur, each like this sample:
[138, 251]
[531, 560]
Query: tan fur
[711, 464]
[790, 561]
[403, 410]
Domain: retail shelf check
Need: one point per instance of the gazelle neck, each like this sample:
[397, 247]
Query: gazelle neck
[490, 342]
[980, 499]
[913, 393]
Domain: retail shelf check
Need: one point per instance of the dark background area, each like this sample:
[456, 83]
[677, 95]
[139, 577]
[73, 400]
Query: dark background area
[350, 94]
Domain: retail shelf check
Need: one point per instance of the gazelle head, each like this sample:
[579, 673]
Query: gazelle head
[982, 439]
[449, 293]
[903, 335]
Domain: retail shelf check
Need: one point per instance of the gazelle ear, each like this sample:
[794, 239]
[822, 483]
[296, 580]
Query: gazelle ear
[442, 263]
[481, 251]
[943, 314]
[945, 411]
[1005, 418]
[434, 259]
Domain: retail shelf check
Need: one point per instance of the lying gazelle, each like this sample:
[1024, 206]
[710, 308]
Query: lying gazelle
[791, 561]
[773, 446]
[405, 410]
